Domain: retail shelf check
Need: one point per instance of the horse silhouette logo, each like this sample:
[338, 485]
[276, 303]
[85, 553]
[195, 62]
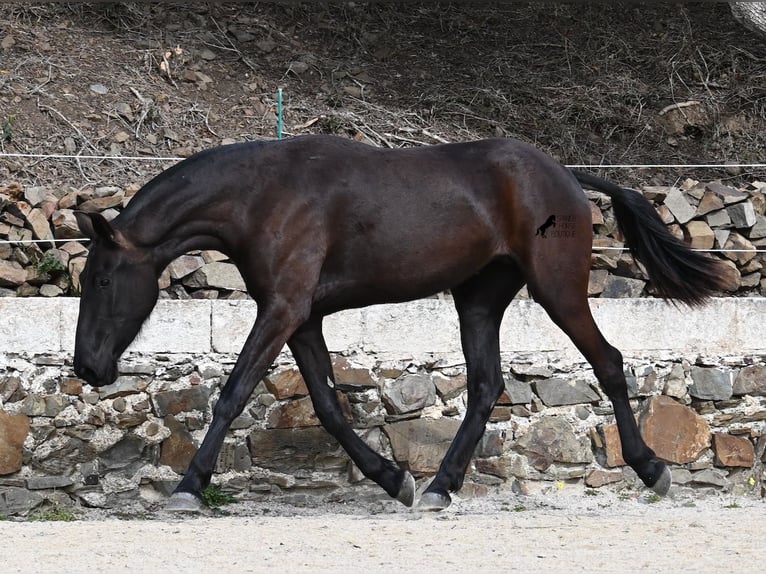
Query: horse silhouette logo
[550, 222]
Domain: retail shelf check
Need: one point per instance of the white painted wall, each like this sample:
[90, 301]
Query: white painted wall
[421, 328]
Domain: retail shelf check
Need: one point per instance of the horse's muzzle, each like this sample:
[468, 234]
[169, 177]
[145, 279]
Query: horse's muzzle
[97, 377]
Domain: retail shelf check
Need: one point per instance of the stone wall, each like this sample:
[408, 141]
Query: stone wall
[697, 380]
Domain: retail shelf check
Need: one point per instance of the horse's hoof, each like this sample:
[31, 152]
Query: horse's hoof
[662, 486]
[407, 491]
[434, 502]
[183, 502]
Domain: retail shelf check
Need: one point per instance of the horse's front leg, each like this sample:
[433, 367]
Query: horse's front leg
[313, 359]
[274, 325]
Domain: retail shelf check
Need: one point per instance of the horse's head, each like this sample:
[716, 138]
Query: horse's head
[119, 290]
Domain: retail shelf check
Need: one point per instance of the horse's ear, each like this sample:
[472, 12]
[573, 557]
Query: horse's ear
[95, 226]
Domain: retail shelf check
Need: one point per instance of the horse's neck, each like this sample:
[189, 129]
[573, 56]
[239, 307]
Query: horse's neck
[171, 221]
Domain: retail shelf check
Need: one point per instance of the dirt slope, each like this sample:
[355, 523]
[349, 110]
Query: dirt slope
[586, 82]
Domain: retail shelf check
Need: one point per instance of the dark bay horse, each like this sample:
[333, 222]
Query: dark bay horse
[318, 224]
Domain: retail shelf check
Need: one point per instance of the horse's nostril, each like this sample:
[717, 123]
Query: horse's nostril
[85, 373]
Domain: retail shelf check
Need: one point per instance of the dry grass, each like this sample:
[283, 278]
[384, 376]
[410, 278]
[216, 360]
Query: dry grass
[584, 82]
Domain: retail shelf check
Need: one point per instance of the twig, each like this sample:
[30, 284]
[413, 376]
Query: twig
[678, 106]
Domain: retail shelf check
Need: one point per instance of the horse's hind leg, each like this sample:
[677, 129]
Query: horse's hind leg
[310, 352]
[567, 305]
[480, 303]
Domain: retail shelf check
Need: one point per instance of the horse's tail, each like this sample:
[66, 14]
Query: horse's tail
[676, 271]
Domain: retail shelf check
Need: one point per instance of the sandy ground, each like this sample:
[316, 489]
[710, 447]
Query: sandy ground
[546, 533]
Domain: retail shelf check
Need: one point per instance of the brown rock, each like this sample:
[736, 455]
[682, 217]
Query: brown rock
[675, 432]
[741, 250]
[13, 432]
[11, 274]
[596, 477]
[612, 446]
[38, 222]
[102, 203]
[70, 386]
[451, 387]
[709, 202]
[700, 235]
[179, 448]
[286, 384]
[733, 451]
[421, 444]
[294, 414]
[349, 376]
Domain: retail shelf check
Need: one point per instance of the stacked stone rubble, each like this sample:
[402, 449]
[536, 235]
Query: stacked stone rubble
[708, 215]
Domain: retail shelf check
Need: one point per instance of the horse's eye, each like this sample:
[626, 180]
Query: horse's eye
[104, 282]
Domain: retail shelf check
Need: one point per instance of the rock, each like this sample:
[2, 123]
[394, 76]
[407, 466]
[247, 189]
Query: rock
[185, 265]
[15, 501]
[11, 390]
[70, 386]
[11, 274]
[60, 454]
[35, 195]
[675, 383]
[123, 453]
[750, 381]
[742, 214]
[623, 287]
[709, 202]
[552, 439]
[48, 482]
[296, 450]
[216, 275]
[741, 251]
[179, 448]
[728, 195]
[99, 89]
[491, 444]
[597, 281]
[420, 444]
[675, 432]
[233, 456]
[286, 384]
[13, 433]
[710, 384]
[700, 235]
[49, 290]
[612, 446]
[194, 398]
[408, 394]
[349, 377]
[123, 386]
[718, 219]
[293, 414]
[518, 392]
[449, 388]
[596, 478]
[733, 451]
[102, 204]
[679, 206]
[557, 392]
[758, 231]
[711, 477]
